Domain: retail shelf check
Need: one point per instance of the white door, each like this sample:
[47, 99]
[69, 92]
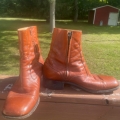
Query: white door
[113, 19]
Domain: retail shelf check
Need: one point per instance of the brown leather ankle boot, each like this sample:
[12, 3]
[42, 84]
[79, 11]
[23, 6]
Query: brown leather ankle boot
[65, 64]
[23, 98]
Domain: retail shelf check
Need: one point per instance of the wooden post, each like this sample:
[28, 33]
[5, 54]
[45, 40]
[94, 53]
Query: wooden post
[76, 11]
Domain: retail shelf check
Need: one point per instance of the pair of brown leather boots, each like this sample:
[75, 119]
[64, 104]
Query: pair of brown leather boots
[65, 64]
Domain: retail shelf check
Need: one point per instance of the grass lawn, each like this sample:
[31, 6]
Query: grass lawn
[101, 45]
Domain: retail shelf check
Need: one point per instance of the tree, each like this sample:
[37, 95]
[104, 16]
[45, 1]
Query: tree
[52, 14]
[65, 9]
[76, 10]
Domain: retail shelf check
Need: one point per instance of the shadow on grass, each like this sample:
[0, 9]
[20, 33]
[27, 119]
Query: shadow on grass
[8, 39]
[9, 55]
[43, 26]
[13, 25]
[102, 41]
[88, 28]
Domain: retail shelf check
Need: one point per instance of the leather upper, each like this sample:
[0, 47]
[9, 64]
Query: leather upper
[25, 92]
[66, 62]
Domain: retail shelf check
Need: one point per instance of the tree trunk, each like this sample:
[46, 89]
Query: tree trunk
[52, 15]
[76, 11]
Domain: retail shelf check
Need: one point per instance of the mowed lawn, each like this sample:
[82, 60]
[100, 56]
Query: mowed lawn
[101, 45]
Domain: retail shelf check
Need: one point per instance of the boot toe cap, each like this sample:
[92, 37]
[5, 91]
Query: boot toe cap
[18, 106]
[109, 82]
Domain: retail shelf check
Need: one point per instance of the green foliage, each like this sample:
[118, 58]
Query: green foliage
[114, 3]
[65, 9]
[24, 8]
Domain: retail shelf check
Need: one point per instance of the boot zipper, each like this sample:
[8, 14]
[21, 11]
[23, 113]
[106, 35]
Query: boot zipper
[69, 38]
[21, 57]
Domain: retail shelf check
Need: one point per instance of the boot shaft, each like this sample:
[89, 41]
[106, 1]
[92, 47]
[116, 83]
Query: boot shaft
[65, 54]
[28, 42]
[33, 31]
[30, 66]
[64, 45]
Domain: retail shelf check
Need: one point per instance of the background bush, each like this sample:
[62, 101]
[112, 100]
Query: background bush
[65, 9]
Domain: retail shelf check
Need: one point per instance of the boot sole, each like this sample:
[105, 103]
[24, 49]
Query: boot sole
[25, 116]
[59, 85]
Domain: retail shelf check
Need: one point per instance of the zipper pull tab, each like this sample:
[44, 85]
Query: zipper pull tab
[69, 36]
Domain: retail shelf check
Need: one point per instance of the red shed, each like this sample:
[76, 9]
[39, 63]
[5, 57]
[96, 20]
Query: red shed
[104, 15]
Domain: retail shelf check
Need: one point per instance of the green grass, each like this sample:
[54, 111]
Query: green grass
[101, 45]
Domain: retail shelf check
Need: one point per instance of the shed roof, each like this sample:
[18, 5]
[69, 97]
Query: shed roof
[105, 6]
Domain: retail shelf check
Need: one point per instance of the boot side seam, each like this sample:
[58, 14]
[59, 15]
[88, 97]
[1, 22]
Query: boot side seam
[102, 81]
[71, 77]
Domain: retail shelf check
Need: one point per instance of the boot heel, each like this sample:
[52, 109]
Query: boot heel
[53, 85]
